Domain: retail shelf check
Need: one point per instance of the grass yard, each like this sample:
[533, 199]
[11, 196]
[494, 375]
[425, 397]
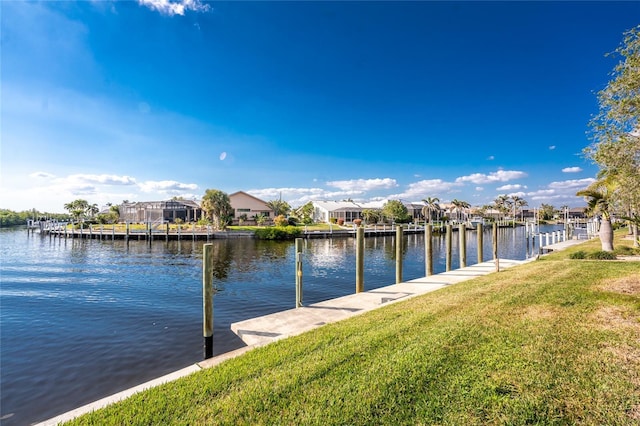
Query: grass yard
[555, 341]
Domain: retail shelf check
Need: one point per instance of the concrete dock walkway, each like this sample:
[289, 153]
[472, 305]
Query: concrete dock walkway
[266, 329]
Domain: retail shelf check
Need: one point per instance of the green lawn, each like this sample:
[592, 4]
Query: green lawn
[555, 341]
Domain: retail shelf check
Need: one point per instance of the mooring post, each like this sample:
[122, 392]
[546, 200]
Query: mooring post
[480, 242]
[399, 236]
[359, 259]
[448, 246]
[299, 272]
[540, 244]
[462, 229]
[495, 247]
[167, 233]
[428, 249]
[207, 299]
[127, 231]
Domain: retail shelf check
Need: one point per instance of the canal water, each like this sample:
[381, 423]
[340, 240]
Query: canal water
[83, 319]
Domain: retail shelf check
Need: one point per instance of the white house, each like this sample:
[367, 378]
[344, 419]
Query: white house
[348, 211]
[323, 211]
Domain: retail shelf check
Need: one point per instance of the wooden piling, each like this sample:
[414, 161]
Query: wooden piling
[207, 299]
[298, 272]
[495, 247]
[399, 236]
[462, 230]
[428, 249]
[479, 234]
[448, 246]
[359, 259]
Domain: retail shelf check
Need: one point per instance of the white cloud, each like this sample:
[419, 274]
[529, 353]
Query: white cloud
[167, 186]
[168, 7]
[511, 187]
[80, 179]
[479, 188]
[561, 192]
[299, 196]
[491, 157]
[572, 184]
[425, 188]
[44, 175]
[363, 184]
[499, 176]
[552, 147]
[517, 194]
[571, 170]
[223, 155]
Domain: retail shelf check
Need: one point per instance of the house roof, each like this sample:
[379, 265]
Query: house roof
[353, 206]
[337, 205]
[189, 203]
[247, 195]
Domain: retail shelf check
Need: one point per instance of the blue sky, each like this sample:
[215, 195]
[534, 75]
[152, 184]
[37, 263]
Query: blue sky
[146, 100]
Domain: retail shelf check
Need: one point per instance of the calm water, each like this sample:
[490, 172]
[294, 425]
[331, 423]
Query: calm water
[82, 319]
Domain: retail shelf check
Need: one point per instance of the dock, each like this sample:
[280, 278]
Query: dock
[269, 328]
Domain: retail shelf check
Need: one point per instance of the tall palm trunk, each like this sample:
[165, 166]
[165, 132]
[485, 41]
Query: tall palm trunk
[606, 235]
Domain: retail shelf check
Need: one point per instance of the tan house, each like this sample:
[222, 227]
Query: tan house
[245, 204]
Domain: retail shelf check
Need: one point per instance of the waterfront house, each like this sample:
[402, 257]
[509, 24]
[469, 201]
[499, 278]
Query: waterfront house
[246, 204]
[348, 211]
[160, 211]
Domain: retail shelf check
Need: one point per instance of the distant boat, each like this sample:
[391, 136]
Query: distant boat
[474, 221]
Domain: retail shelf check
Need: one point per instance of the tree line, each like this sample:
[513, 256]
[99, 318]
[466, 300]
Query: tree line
[14, 218]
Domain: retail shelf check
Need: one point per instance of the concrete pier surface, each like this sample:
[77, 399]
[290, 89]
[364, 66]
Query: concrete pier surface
[266, 329]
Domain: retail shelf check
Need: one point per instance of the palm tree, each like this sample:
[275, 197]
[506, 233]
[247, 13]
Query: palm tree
[431, 205]
[460, 206]
[599, 198]
[279, 207]
[370, 215]
[77, 208]
[217, 206]
[92, 210]
[517, 203]
[502, 204]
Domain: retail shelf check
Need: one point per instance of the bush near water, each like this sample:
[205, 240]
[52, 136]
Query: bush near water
[278, 233]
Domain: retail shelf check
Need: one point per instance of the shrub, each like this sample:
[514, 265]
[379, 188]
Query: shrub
[280, 220]
[626, 251]
[340, 221]
[278, 233]
[333, 220]
[292, 221]
[578, 255]
[602, 255]
[357, 222]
